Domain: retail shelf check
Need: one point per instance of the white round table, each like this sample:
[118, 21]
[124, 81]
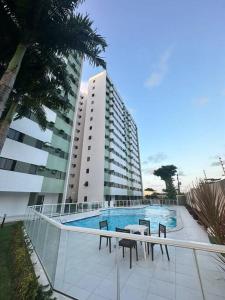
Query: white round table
[138, 228]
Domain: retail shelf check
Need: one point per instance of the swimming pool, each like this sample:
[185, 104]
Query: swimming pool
[120, 217]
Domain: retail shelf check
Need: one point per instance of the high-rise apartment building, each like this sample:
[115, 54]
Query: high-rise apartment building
[34, 163]
[106, 159]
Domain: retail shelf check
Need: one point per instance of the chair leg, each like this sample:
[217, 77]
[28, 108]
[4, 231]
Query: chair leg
[136, 252]
[123, 251]
[110, 245]
[100, 242]
[161, 248]
[152, 250]
[167, 253]
[130, 258]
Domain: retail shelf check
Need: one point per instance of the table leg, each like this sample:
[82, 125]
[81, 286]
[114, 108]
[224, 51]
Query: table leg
[144, 244]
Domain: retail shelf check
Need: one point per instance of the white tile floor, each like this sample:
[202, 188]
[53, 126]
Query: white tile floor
[87, 273]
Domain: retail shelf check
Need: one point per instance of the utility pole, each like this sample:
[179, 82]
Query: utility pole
[222, 165]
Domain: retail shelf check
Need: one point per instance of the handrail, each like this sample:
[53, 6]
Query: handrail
[63, 204]
[158, 240]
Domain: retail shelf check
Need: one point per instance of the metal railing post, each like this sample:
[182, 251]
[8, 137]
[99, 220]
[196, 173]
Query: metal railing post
[52, 210]
[117, 270]
[199, 274]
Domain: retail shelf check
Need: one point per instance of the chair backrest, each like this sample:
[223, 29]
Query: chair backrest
[162, 229]
[146, 223]
[122, 230]
[103, 224]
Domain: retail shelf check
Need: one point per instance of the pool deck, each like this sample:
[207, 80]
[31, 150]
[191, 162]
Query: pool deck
[86, 273]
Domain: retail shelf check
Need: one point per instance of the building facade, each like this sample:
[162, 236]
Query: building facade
[34, 163]
[108, 165]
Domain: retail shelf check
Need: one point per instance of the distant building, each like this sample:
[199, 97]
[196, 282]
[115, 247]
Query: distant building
[106, 159]
[34, 163]
[149, 192]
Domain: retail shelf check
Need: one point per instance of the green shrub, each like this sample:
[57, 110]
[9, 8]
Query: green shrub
[25, 283]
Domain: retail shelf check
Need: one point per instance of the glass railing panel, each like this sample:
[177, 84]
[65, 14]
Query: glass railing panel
[84, 271]
[211, 268]
[50, 247]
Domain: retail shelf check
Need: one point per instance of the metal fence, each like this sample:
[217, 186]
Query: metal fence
[58, 210]
[74, 265]
[156, 201]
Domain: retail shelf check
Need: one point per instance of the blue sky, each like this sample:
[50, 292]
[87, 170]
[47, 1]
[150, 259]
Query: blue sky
[167, 60]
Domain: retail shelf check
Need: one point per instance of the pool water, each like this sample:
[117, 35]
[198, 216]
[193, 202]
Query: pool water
[120, 217]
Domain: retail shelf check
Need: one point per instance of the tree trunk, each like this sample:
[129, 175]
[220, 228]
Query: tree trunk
[5, 123]
[9, 77]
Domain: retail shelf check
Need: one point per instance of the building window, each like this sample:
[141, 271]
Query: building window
[92, 110]
[90, 127]
[92, 102]
[78, 123]
[91, 118]
[88, 158]
[86, 183]
[87, 171]
[93, 88]
[71, 186]
[76, 139]
[85, 198]
[94, 81]
[92, 95]
[89, 147]
[74, 165]
[76, 147]
[79, 116]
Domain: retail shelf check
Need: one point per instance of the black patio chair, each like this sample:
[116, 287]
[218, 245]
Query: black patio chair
[162, 230]
[104, 225]
[125, 243]
[147, 224]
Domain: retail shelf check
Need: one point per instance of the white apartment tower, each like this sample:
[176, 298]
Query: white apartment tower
[106, 159]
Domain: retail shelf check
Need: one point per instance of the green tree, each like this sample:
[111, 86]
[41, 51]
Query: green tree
[49, 76]
[166, 173]
[53, 25]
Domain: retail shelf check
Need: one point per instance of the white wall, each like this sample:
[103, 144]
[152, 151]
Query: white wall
[95, 178]
[31, 128]
[13, 204]
[19, 182]
[22, 152]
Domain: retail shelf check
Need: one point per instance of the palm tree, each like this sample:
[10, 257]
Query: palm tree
[44, 23]
[166, 173]
[49, 77]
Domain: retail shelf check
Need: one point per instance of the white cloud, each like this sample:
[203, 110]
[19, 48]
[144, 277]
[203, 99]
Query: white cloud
[157, 76]
[84, 86]
[201, 101]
